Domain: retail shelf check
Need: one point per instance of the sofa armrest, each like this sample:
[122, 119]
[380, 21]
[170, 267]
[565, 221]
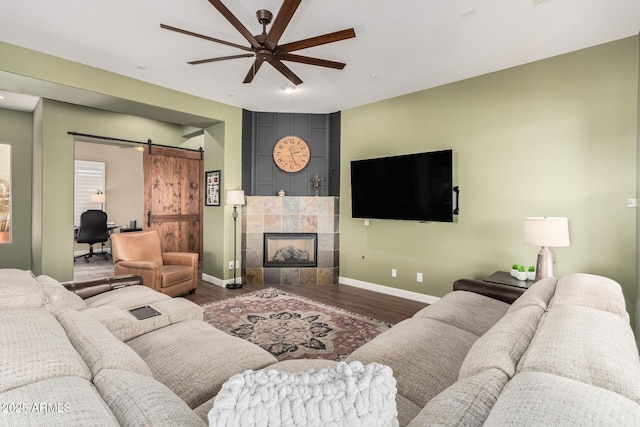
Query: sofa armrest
[89, 288]
[180, 258]
[502, 293]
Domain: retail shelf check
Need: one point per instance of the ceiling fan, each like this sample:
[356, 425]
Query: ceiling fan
[264, 47]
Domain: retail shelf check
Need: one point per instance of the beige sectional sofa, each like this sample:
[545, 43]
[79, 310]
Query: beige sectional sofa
[561, 354]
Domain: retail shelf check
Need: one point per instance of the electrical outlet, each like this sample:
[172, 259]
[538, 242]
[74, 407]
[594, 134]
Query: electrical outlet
[419, 277]
[394, 272]
[231, 266]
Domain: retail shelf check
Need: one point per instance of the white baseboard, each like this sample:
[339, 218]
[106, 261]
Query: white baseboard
[219, 282]
[415, 296]
[428, 299]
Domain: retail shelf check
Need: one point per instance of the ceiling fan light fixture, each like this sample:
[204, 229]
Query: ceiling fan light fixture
[289, 88]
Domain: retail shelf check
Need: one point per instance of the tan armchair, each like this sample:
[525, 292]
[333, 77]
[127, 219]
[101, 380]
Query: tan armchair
[172, 273]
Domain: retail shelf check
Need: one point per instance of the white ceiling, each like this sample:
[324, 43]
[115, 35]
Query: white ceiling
[401, 46]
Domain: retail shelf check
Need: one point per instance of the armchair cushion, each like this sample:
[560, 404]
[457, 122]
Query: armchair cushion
[172, 274]
[139, 246]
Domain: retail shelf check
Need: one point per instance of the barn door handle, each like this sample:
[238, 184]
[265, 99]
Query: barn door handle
[149, 219]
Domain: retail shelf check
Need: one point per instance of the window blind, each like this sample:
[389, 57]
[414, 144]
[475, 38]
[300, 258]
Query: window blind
[89, 178]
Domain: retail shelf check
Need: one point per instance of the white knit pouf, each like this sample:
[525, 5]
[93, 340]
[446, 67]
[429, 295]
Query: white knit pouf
[347, 395]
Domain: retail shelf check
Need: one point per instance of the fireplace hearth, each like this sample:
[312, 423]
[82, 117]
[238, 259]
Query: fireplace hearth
[290, 249]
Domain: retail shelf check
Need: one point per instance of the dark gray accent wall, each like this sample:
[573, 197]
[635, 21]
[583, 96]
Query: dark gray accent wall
[334, 154]
[261, 131]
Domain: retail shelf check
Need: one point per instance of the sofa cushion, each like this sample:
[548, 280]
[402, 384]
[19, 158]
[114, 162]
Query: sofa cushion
[424, 354]
[301, 365]
[194, 359]
[347, 394]
[124, 326]
[538, 399]
[468, 311]
[588, 345]
[504, 344]
[179, 309]
[19, 289]
[588, 290]
[34, 347]
[538, 294]
[466, 403]
[137, 400]
[58, 297]
[98, 347]
[62, 401]
[126, 298]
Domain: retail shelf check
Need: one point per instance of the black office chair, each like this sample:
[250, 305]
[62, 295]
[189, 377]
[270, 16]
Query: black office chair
[93, 229]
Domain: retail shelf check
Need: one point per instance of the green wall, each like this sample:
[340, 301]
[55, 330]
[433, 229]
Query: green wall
[553, 138]
[15, 129]
[51, 180]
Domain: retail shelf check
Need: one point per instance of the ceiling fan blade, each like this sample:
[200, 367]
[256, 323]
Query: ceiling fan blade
[278, 26]
[211, 39]
[253, 70]
[319, 40]
[278, 65]
[220, 58]
[235, 22]
[313, 61]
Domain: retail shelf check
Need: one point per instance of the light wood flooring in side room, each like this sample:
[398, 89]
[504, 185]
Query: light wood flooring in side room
[379, 306]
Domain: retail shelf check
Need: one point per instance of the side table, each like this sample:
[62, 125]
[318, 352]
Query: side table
[500, 285]
[504, 278]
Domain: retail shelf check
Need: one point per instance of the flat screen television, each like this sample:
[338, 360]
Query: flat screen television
[417, 187]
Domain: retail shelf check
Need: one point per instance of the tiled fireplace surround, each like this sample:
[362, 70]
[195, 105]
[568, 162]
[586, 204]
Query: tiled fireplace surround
[290, 215]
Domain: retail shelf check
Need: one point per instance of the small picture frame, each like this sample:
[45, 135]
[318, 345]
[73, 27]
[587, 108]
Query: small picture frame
[212, 188]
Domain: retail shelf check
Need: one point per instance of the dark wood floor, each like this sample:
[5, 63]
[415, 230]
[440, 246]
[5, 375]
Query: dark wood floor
[384, 307]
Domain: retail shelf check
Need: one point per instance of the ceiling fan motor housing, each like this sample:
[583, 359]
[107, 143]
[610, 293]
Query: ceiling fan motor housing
[264, 16]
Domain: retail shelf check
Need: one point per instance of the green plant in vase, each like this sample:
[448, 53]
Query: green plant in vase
[521, 274]
[514, 269]
[531, 273]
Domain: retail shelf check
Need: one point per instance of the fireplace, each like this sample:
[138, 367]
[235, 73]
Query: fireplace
[311, 217]
[290, 250]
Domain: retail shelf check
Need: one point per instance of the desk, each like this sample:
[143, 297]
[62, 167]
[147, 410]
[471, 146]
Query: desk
[129, 230]
[110, 229]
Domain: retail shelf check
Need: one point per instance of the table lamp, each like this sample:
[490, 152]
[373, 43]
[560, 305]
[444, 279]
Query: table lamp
[98, 198]
[546, 232]
[235, 198]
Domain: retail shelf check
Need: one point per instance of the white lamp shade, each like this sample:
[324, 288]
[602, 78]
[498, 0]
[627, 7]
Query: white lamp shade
[546, 231]
[235, 197]
[97, 198]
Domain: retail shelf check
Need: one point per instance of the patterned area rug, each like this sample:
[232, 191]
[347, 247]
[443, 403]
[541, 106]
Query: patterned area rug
[292, 327]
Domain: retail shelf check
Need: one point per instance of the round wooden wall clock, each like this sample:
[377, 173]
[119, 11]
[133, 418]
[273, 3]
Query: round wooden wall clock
[291, 154]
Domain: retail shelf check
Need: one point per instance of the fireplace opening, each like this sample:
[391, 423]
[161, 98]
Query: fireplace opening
[290, 250]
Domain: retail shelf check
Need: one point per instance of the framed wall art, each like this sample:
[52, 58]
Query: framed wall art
[212, 188]
[5, 193]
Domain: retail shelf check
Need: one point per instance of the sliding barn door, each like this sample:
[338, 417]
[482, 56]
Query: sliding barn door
[173, 198]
